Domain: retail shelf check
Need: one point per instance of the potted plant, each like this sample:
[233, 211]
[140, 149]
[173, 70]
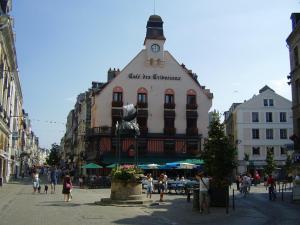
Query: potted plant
[126, 183]
[219, 157]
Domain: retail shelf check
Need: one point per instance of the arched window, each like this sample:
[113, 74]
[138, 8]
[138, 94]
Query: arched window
[169, 96]
[118, 94]
[142, 96]
[191, 97]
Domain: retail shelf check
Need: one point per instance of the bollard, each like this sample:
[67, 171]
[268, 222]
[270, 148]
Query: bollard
[233, 203]
[196, 200]
[282, 193]
[227, 202]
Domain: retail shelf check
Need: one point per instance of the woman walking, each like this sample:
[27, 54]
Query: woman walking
[149, 185]
[67, 188]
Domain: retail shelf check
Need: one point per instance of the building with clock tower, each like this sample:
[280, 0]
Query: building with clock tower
[172, 108]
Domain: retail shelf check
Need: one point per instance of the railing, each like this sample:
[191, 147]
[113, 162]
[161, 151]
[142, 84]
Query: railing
[169, 131]
[169, 105]
[191, 106]
[192, 131]
[191, 114]
[99, 130]
[169, 114]
[142, 105]
[117, 104]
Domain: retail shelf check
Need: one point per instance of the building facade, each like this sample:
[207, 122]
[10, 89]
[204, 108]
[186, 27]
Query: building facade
[262, 123]
[172, 107]
[293, 43]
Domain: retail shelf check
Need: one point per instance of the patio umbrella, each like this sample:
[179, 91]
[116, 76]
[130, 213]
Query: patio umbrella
[148, 166]
[91, 166]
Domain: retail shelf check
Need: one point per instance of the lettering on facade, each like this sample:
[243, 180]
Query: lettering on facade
[152, 77]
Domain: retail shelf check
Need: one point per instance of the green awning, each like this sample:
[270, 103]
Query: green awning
[193, 161]
[111, 159]
[91, 166]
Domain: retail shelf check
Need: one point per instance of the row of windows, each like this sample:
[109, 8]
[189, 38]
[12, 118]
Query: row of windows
[257, 151]
[142, 98]
[269, 133]
[269, 117]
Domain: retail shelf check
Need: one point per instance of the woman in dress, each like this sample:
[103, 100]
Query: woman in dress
[67, 188]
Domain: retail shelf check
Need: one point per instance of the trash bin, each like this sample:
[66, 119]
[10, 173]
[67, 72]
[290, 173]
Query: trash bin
[196, 205]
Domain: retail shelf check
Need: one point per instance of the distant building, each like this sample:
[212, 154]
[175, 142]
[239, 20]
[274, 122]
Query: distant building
[172, 107]
[262, 123]
[293, 42]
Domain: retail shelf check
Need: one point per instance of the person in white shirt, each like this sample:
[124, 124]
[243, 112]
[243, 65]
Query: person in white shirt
[149, 185]
[203, 192]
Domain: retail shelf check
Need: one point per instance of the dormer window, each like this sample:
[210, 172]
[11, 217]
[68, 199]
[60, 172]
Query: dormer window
[268, 102]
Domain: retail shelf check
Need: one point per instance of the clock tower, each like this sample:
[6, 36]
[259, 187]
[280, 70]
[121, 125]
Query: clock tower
[154, 40]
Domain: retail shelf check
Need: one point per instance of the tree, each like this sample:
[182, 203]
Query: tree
[219, 154]
[270, 167]
[288, 167]
[54, 157]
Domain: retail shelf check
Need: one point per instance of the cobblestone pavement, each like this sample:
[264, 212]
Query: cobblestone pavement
[18, 206]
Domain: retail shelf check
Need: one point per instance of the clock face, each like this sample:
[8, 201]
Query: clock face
[155, 48]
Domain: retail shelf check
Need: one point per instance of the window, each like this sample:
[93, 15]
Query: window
[256, 151]
[117, 96]
[282, 151]
[296, 56]
[255, 133]
[255, 117]
[269, 133]
[169, 122]
[142, 98]
[282, 116]
[269, 117]
[268, 102]
[169, 99]
[191, 99]
[191, 123]
[283, 134]
[271, 149]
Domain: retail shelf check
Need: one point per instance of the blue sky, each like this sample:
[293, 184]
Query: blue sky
[235, 47]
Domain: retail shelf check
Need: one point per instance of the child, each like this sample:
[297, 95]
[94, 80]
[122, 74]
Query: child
[46, 188]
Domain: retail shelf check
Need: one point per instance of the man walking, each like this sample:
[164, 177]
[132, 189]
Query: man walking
[203, 192]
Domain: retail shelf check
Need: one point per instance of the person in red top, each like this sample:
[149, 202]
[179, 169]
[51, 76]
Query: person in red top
[67, 188]
[272, 185]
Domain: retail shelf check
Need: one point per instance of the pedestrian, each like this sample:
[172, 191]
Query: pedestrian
[53, 179]
[80, 182]
[272, 188]
[237, 181]
[67, 188]
[149, 185]
[36, 182]
[161, 187]
[203, 192]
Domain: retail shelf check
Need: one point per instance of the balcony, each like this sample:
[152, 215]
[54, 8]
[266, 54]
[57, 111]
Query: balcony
[191, 106]
[142, 105]
[192, 131]
[99, 131]
[191, 114]
[169, 131]
[117, 104]
[144, 130]
[169, 105]
[142, 113]
[169, 114]
[117, 112]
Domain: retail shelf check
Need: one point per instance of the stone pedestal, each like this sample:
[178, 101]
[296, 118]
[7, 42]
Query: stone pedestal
[125, 192]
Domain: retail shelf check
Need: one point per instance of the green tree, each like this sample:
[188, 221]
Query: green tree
[288, 167]
[219, 154]
[54, 157]
[270, 167]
